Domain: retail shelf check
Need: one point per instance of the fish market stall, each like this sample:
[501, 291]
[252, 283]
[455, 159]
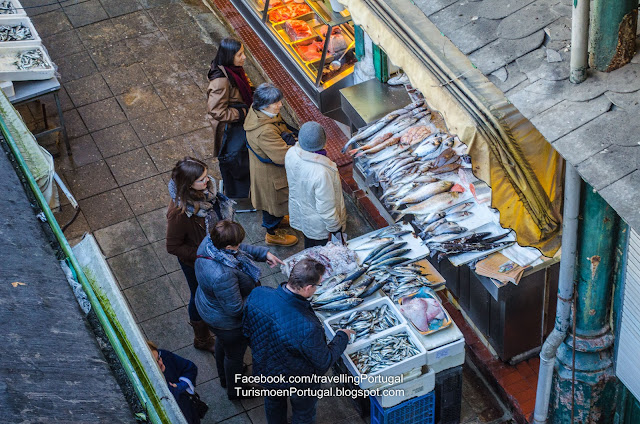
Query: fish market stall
[381, 286]
[315, 45]
[415, 171]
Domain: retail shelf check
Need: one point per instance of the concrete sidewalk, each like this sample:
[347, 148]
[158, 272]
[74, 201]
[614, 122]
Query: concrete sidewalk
[134, 81]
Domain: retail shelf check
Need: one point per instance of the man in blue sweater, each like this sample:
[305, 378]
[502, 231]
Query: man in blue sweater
[287, 340]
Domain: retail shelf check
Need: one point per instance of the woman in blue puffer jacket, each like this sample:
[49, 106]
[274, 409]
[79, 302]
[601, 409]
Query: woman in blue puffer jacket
[226, 274]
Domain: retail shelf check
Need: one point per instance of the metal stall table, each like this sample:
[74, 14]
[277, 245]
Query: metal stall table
[371, 100]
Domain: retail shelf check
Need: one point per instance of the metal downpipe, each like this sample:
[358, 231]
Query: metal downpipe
[579, 41]
[566, 277]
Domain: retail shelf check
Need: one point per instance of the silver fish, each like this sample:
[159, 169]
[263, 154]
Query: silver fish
[459, 216]
[425, 192]
[371, 243]
[462, 207]
[341, 305]
[432, 204]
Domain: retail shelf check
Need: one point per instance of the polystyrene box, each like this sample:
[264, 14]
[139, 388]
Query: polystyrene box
[408, 390]
[365, 306]
[13, 20]
[19, 10]
[9, 72]
[7, 88]
[448, 362]
[396, 369]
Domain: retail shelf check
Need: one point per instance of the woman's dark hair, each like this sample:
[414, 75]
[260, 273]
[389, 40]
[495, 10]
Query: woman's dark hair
[307, 272]
[266, 94]
[226, 233]
[226, 52]
[184, 175]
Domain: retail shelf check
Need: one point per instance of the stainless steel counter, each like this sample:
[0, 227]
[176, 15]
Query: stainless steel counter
[371, 100]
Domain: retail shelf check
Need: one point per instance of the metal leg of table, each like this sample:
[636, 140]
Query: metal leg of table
[62, 125]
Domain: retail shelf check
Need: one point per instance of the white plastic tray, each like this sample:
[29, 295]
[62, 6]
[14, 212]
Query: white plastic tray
[413, 388]
[366, 306]
[9, 72]
[12, 20]
[398, 368]
[19, 10]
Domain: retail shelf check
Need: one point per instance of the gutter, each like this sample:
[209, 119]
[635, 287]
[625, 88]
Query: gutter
[154, 409]
[565, 292]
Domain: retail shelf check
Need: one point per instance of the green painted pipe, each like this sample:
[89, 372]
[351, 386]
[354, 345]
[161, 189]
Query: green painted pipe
[613, 33]
[596, 256]
[82, 279]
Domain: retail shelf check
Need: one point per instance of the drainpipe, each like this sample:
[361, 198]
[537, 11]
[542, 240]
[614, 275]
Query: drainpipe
[572, 182]
[579, 41]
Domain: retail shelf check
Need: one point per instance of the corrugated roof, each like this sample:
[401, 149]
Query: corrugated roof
[523, 47]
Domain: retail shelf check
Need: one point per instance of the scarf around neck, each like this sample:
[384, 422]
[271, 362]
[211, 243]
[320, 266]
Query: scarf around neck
[242, 82]
[206, 208]
[239, 260]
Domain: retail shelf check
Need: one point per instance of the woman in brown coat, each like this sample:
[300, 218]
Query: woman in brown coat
[228, 98]
[195, 207]
[269, 138]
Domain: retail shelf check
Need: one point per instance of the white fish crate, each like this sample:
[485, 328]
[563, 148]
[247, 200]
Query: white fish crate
[10, 72]
[396, 369]
[408, 390]
[10, 20]
[19, 10]
[365, 306]
[448, 362]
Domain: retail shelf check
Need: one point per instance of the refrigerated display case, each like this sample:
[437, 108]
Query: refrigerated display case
[306, 36]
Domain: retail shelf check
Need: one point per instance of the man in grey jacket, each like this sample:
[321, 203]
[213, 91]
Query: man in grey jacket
[316, 205]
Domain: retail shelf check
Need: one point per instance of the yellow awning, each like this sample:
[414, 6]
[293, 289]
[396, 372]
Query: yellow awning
[525, 173]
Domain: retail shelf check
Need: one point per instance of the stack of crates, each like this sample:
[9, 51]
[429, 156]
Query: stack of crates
[445, 356]
[420, 410]
[448, 395]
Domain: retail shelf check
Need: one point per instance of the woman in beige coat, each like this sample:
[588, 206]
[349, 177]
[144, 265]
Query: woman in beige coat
[269, 138]
[229, 95]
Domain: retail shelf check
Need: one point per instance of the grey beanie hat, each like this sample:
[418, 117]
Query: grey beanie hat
[312, 137]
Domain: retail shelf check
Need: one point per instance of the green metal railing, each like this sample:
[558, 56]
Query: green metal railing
[154, 409]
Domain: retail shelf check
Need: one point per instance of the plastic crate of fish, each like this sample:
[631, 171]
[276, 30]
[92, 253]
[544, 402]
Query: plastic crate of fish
[17, 31]
[420, 410]
[398, 360]
[11, 8]
[364, 314]
[410, 389]
[25, 64]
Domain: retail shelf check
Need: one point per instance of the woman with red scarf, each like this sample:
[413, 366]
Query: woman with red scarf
[229, 96]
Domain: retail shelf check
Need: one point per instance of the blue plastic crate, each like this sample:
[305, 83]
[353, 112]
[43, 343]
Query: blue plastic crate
[420, 410]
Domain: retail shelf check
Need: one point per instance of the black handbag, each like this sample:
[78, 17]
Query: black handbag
[234, 159]
[198, 405]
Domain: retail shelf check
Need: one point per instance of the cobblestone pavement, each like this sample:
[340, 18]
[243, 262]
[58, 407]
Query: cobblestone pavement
[134, 81]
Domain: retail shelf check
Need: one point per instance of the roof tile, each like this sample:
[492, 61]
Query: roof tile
[497, 9]
[625, 79]
[622, 195]
[599, 171]
[514, 77]
[566, 116]
[528, 20]
[536, 98]
[474, 35]
[429, 7]
[500, 52]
